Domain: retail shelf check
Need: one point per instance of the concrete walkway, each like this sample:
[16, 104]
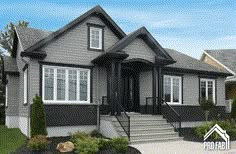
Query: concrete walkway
[180, 147]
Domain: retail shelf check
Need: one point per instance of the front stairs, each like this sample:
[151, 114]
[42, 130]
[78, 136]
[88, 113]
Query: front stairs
[148, 128]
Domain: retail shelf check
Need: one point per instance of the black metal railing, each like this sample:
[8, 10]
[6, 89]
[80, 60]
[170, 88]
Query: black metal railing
[124, 120]
[171, 115]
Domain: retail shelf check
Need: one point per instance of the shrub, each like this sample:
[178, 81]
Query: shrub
[86, 146]
[38, 117]
[233, 110]
[206, 105]
[96, 134]
[120, 145]
[38, 142]
[227, 125]
[104, 144]
[78, 135]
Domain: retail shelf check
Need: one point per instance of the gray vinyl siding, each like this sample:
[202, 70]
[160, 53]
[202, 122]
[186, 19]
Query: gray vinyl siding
[139, 49]
[145, 81]
[72, 46]
[191, 90]
[220, 92]
[34, 79]
[99, 83]
[23, 109]
[13, 95]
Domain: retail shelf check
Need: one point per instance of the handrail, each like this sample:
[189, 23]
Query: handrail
[169, 118]
[170, 107]
[127, 131]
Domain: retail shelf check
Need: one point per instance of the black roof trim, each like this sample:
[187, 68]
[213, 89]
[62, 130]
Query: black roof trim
[109, 56]
[36, 54]
[146, 36]
[94, 11]
[183, 70]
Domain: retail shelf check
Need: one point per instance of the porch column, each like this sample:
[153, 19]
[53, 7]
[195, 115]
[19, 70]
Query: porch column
[154, 89]
[113, 88]
[160, 89]
[119, 88]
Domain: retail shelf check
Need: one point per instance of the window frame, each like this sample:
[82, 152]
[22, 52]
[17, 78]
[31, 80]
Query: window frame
[171, 89]
[25, 91]
[213, 90]
[66, 101]
[101, 31]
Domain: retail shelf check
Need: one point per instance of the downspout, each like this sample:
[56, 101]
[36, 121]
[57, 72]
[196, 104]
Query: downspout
[28, 122]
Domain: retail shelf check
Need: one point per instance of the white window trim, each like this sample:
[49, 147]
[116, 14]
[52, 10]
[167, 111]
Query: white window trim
[214, 88]
[6, 96]
[66, 101]
[171, 89]
[25, 86]
[100, 38]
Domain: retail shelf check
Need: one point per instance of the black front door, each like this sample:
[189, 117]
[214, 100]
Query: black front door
[130, 91]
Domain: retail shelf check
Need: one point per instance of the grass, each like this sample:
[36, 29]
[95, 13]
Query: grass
[10, 139]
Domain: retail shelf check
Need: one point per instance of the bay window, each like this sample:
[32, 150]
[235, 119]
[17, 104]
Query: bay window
[207, 89]
[172, 89]
[65, 85]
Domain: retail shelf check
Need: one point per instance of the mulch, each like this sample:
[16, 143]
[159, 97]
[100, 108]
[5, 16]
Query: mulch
[53, 144]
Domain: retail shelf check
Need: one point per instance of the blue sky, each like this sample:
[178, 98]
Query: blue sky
[189, 26]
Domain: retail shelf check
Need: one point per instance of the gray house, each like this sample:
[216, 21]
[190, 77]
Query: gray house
[90, 74]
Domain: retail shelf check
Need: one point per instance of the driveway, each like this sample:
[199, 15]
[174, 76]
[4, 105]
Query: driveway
[179, 147]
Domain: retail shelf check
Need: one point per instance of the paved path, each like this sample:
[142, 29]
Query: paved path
[179, 147]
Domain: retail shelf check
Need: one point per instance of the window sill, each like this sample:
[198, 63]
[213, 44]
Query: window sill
[174, 103]
[94, 49]
[65, 103]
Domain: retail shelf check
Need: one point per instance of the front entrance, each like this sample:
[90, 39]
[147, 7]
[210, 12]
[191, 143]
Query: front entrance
[130, 90]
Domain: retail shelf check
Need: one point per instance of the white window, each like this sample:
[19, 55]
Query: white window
[6, 96]
[173, 89]
[66, 85]
[25, 85]
[207, 89]
[95, 38]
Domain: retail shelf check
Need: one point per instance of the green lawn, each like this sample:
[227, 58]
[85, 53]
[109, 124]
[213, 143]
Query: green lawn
[10, 139]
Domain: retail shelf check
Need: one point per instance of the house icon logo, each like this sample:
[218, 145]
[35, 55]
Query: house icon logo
[217, 145]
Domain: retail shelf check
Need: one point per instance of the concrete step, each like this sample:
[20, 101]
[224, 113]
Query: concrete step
[153, 135]
[144, 130]
[156, 140]
[142, 123]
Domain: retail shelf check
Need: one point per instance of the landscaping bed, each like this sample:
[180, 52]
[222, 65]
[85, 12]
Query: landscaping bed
[56, 140]
[197, 134]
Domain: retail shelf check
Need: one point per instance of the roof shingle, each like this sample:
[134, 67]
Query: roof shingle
[226, 56]
[186, 62]
[10, 65]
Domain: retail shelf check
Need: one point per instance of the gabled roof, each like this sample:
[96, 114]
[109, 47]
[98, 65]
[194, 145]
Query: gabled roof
[185, 62]
[147, 37]
[29, 36]
[9, 65]
[226, 58]
[94, 11]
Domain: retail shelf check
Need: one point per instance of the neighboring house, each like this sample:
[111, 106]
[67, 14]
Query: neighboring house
[224, 60]
[92, 60]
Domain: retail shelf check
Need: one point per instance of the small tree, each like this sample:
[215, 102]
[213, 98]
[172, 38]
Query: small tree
[38, 117]
[206, 105]
[233, 109]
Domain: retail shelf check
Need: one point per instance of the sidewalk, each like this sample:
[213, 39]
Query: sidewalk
[179, 147]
